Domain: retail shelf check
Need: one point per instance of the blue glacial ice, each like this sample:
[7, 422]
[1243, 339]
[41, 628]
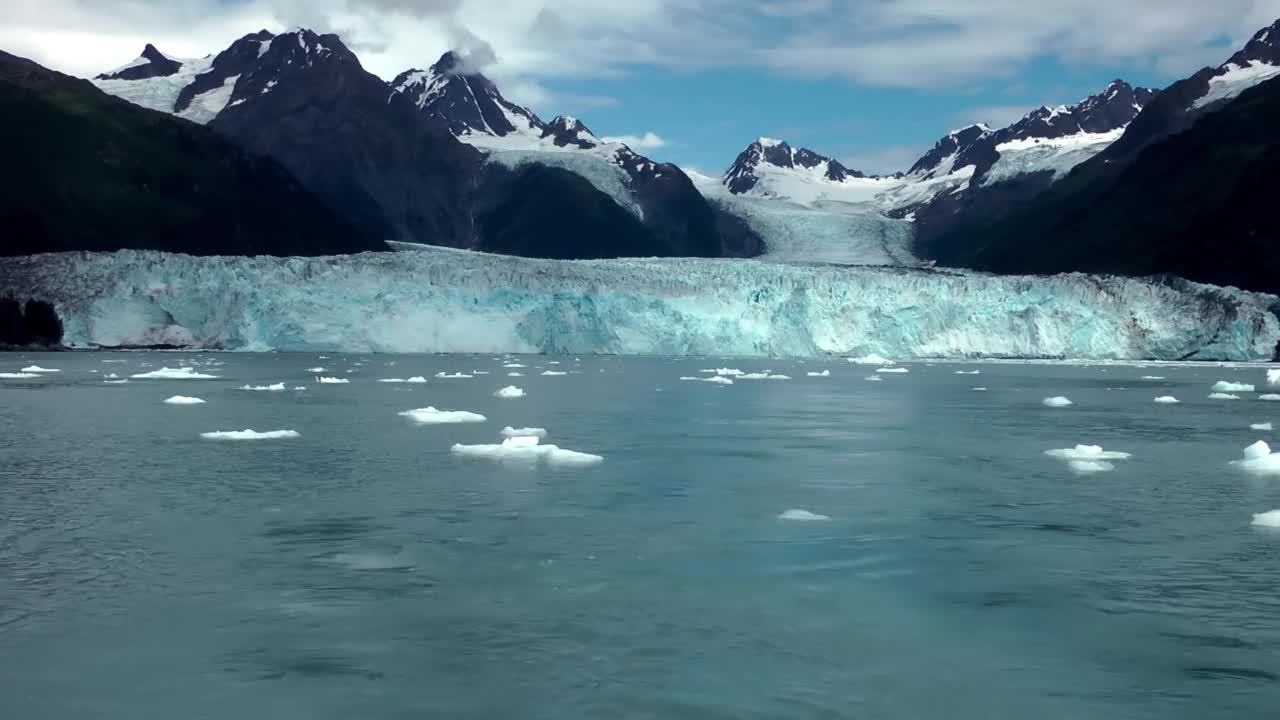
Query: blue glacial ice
[440, 300]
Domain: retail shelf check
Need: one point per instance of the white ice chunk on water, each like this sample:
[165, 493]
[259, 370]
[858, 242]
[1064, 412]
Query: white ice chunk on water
[432, 416]
[481, 372]
[453, 376]
[117, 382]
[873, 378]
[1269, 519]
[1223, 396]
[871, 359]
[326, 380]
[274, 387]
[1088, 467]
[1273, 377]
[1087, 452]
[248, 434]
[527, 448]
[111, 376]
[183, 400]
[165, 373]
[1151, 377]
[38, 369]
[968, 372]
[509, 431]
[515, 374]
[553, 373]
[17, 376]
[514, 365]
[316, 369]
[824, 373]
[724, 372]
[1225, 386]
[1057, 401]
[508, 392]
[1259, 460]
[1166, 400]
[1257, 450]
[893, 370]
[714, 379]
[763, 376]
[1272, 397]
[980, 389]
[1261, 426]
[802, 515]
[416, 379]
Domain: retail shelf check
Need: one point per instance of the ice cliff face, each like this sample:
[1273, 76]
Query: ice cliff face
[441, 300]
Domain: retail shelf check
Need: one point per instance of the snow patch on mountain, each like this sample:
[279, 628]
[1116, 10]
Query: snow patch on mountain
[1234, 80]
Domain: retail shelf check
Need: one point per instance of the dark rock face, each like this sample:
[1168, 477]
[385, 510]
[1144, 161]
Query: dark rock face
[568, 131]
[461, 101]
[241, 57]
[157, 65]
[952, 143]
[33, 323]
[743, 175]
[87, 171]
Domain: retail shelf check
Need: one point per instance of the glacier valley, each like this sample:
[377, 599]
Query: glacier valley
[438, 300]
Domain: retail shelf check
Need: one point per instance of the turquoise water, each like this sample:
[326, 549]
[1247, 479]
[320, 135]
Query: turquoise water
[363, 570]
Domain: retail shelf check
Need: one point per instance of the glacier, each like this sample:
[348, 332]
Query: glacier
[440, 300]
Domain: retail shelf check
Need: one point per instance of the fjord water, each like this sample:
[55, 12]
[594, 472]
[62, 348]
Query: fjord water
[362, 570]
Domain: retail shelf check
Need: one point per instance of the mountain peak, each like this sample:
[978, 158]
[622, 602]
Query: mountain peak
[465, 102]
[151, 63]
[565, 130]
[766, 153]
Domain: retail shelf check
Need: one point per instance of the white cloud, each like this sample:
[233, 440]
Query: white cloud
[646, 141]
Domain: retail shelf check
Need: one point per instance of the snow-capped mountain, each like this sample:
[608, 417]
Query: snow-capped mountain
[466, 103]
[771, 168]
[151, 63]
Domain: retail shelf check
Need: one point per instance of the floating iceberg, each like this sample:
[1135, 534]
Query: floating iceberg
[1270, 519]
[1261, 426]
[979, 389]
[527, 448]
[453, 376]
[553, 373]
[801, 515]
[38, 369]
[1231, 387]
[325, 380]
[824, 373]
[183, 400]
[1259, 460]
[117, 382]
[432, 416]
[509, 431]
[1273, 377]
[763, 376]
[249, 435]
[1057, 402]
[439, 300]
[1223, 396]
[1087, 452]
[515, 374]
[164, 373]
[1151, 377]
[1167, 400]
[315, 370]
[893, 370]
[725, 372]
[716, 379]
[1089, 467]
[871, 359]
[873, 378]
[968, 372]
[509, 392]
[17, 375]
[274, 387]
[1272, 397]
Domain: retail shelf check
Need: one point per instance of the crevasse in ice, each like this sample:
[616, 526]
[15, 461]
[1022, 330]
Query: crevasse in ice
[453, 301]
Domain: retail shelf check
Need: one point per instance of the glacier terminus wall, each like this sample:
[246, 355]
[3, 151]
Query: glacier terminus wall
[437, 300]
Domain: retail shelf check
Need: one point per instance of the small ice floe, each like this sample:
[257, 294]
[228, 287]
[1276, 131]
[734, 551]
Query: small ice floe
[1269, 396]
[515, 374]
[799, 515]
[38, 369]
[274, 387]
[247, 434]
[893, 370]
[183, 400]
[1223, 396]
[509, 392]
[1089, 467]
[326, 380]
[182, 373]
[1269, 519]
[968, 372]
[763, 376]
[1087, 452]
[1231, 387]
[125, 381]
[714, 379]
[1259, 460]
[432, 416]
[111, 376]
[121, 362]
[514, 365]
[323, 357]
[872, 359]
[416, 379]
[553, 362]
[1261, 426]
[17, 376]
[1151, 377]
[1057, 401]
[824, 373]
[979, 389]
[1273, 377]
[553, 373]
[527, 448]
[724, 372]
[873, 378]
[1167, 400]
[453, 376]
[316, 369]
[510, 432]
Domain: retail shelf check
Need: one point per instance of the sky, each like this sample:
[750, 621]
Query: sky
[873, 83]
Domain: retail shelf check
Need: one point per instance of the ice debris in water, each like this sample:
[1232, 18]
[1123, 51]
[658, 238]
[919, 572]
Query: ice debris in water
[247, 434]
[1151, 377]
[968, 372]
[1167, 400]
[509, 431]
[1273, 377]
[553, 373]
[1087, 452]
[432, 416]
[316, 369]
[1269, 396]
[1231, 387]
[527, 448]
[763, 376]
[716, 379]
[1259, 459]
[896, 370]
[802, 515]
[165, 373]
[38, 369]
[724, 372]
[508, 392]
[274, 387]
[515, 374]
[824, 373]
[873, 378]
[514, 365]
[1088, 467]
[117, 382]
[326, 380]
[979, 389]
[1223, 396]
[1057, 401]
[416, 379]
[452, 376]
[1261, 426]
[1269, 519]
[183, 400]
[871, 359]
[17, 375]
